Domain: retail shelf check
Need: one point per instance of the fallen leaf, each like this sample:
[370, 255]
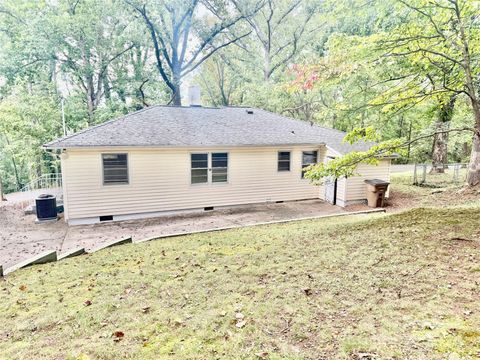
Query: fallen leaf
[262, 355]
[239, 316]
[118, 335]
[146, 309]
[88, 302]
[240, 324]
[307, 291]
[23, 287]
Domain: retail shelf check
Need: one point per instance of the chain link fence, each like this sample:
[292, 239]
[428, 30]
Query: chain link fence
[453, 174]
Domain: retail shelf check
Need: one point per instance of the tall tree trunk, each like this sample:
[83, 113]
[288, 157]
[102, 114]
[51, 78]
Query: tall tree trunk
[440, 140]
[177, 96]
[473, 175]
[440, 149]
[14, 164]
[409, 149]
[1, 190]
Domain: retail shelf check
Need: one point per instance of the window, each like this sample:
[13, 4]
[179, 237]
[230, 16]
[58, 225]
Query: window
[284, 161]
[199, 168]
[217, 163]
[219, 167]
[308, 158]
[115, 169]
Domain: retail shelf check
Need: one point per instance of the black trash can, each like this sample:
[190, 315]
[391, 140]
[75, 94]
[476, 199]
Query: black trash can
[46, 207]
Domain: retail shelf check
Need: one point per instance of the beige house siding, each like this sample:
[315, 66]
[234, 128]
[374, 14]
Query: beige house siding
[159, 180]
[356, 188]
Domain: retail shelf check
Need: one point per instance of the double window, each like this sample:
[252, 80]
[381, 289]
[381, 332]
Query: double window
[209, 167]
[115, 169]
[308, 158]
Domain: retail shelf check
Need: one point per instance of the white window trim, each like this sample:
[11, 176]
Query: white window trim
[301, 162]
[289, 161]
[211, 168]
[103, 170]
[209, 181]
[208, 167]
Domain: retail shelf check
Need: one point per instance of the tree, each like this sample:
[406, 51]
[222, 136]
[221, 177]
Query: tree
[439, 37]
[175, 29]
[2, 198]
[280, 28]
[221, 82]
[444, 36]
[81, 40]
[29, 117]
[440, 139]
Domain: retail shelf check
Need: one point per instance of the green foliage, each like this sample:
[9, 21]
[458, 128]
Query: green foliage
[29, 117]
[346, 165]
[344, 64]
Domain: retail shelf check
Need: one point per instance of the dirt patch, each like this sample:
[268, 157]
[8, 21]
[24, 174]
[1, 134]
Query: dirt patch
[21, 237]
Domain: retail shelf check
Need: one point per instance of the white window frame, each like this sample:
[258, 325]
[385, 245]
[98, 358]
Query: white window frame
[103, 169]
[210, 168]
[289, 161]
[301, 162]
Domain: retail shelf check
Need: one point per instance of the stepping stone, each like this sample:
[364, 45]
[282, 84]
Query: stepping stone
[110, 244]
[42, 258]
[71, 253]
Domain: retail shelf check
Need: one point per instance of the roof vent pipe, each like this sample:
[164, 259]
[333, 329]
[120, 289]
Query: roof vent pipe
[194, 98]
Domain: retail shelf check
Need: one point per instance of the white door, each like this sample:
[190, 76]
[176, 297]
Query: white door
[331, 190]
[330, 187]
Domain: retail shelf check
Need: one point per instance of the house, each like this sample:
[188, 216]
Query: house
[164, 159]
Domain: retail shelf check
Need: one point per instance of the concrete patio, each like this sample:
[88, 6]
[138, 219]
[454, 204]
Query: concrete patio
[21, 238]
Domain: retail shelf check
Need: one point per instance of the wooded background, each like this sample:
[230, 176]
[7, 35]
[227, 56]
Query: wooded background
[407, 68]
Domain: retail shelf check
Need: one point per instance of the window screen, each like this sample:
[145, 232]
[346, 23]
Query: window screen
[219, 167]
[284, 161]
[308, 158]
[115, 168]
[199, 168]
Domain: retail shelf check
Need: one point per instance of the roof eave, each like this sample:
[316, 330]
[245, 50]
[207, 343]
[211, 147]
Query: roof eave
[53, 146]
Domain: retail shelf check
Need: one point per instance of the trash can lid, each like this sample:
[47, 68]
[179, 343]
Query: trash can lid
[45, 196]
[376, 182]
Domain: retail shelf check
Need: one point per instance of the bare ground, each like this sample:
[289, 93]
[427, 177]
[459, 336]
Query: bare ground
[20, 237]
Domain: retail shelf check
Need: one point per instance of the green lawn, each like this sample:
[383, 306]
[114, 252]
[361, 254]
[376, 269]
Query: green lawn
[390, 287]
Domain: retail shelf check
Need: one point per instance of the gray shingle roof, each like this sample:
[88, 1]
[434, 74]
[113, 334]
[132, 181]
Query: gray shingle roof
[171, 126]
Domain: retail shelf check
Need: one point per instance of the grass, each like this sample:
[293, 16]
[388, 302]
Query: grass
[442, 180]
[442, 194]
[384, 287]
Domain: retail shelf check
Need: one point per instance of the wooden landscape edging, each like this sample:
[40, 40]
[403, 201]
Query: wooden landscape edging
[127, 240]
[42, 258]
[72, 253]
[51, 256]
